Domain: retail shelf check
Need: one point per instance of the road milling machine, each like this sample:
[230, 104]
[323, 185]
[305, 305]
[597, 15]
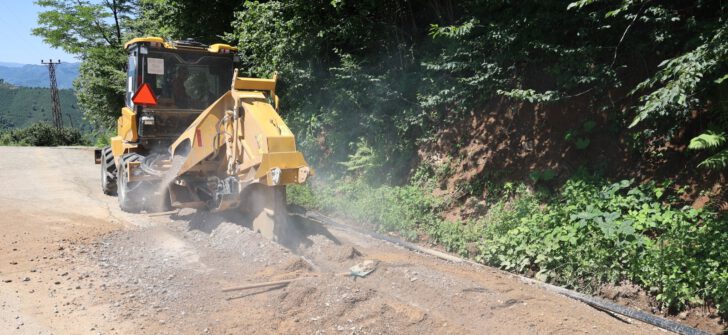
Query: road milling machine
[192, 134]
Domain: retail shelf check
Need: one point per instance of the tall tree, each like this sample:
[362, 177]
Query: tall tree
[77, 25]
[94, 32]
[204, 21]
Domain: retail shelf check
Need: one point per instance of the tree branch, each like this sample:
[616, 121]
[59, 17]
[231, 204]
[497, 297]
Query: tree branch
[624, 34]
[99, 27]
[115, 10]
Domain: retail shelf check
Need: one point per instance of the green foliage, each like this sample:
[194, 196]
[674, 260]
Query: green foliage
[391, 73]
[580, 136]
[503, 48]
[100, 86]
[721, 79]
[686, 265]
[716, 161]
[302, 195]
[542, 175]
[690, 71]
[588, 126]
[454, 31]
[364, 159]
[204, 21]
[582, 143]
[5, 123]
[348, 73]
[519, 51]
[681, 78]
[400, 209]
[76, 26]
[96, 32]
[100, 137]
[710, 141]
[154, 18]
[597, 232]
[580, 4]
[530, 95]
[42, 134]
[23, 106]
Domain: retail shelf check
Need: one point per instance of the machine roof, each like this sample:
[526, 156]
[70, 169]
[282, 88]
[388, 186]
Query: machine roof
[215, 48]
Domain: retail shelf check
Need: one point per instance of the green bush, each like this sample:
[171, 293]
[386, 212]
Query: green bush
[597, 232]
[401, 209]
[42, 134]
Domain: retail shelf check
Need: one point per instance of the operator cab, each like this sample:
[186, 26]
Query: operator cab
[184, 77]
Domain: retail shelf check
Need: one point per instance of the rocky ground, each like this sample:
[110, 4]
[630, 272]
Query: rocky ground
[72, 263]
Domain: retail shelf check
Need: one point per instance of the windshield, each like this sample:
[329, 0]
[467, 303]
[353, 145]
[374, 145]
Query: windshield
[187, 80]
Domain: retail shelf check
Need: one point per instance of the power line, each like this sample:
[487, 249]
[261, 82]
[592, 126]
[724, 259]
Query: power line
[57, 116]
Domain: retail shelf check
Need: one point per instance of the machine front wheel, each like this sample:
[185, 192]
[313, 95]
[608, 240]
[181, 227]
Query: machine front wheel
[129, 192]
[108, 172]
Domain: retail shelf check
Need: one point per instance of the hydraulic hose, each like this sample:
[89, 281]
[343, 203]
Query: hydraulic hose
[147, 165]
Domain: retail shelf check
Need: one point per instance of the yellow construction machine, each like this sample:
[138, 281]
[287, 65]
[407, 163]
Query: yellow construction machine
[193, 134]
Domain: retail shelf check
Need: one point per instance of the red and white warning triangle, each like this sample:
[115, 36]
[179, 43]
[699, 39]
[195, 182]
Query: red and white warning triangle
[144, 96]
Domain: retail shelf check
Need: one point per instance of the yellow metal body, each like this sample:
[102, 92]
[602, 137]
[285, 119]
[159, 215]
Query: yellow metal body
[149, 39]
[126, 125]
[127, 133]
[215, 48]
[239, 137]
[244, 129]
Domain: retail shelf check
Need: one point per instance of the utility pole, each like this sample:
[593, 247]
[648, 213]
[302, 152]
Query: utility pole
[57, 117]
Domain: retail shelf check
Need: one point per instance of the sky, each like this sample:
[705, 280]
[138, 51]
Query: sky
[19, 45]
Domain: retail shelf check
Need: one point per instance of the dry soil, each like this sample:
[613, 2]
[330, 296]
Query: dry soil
[72, 263]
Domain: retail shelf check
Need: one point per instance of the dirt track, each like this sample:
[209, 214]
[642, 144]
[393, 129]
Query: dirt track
[72, 263]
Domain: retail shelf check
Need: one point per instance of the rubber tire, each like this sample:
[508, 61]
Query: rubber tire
[159, 205]
[108, 172]
[129, 200]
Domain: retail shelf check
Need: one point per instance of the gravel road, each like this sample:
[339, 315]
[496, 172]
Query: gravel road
[72, 263]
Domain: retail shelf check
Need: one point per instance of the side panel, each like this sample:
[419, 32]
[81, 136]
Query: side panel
[203, 136]
[117, 148]
[127, 125]
[255, 84]
[265, 131]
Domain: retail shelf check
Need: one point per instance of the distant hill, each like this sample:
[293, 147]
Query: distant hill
[22, 106]
[31, 75]
[6, 64]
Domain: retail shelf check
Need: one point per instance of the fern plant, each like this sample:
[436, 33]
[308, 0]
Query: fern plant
[364, 159]
[711, 141]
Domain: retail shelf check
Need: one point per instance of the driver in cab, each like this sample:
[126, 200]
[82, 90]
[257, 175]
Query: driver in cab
[179, 91]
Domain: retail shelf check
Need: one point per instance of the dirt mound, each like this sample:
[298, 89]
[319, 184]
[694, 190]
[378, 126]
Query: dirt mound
[344, 253]
[298, 265]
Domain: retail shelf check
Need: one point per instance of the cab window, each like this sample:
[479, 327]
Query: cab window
[187, 81]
